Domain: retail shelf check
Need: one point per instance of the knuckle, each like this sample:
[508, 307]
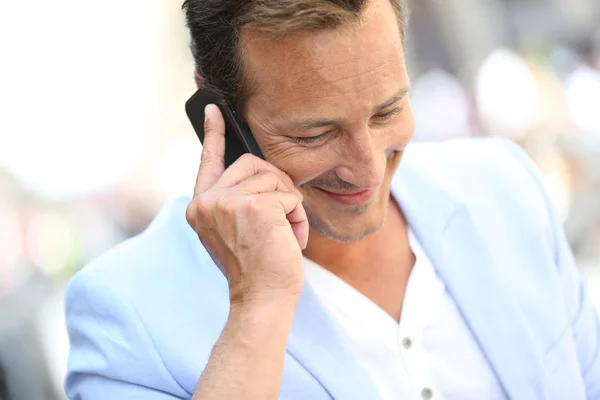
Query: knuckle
[248, 159]
[203, 206]
[206, 155]
[271, 177]
[255, 205]
[190, 215]
[198, 211]
[208, 128]
[209, 155]
[244, 160]
[226, 204]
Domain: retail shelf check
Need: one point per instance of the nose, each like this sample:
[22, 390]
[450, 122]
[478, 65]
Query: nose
[364, 160]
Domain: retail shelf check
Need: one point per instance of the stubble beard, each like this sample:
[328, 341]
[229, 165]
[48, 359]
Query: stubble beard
[322, 228]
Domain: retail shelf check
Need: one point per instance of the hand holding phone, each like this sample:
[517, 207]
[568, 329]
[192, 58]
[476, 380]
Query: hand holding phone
[250, 218]
[238, 137]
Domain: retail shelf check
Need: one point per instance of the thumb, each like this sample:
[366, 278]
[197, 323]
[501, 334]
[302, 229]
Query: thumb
[212, 162]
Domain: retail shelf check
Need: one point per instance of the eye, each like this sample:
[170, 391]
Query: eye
[312, 139]
[387, 115]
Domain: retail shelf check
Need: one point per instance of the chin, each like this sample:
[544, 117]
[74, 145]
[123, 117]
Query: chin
[345, 237]
[351, 226]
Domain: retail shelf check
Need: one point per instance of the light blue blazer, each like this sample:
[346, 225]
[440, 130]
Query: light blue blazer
[142, 319]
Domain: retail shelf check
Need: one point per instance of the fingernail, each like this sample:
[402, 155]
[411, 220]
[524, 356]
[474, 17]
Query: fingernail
[208, 112]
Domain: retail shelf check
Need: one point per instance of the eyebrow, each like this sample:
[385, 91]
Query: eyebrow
[400, 94]
[308, 124]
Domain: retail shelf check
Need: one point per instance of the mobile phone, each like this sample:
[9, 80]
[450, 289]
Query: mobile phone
[238, 137]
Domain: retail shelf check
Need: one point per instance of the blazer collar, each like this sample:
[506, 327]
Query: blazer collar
[318, 345]
[440, 215]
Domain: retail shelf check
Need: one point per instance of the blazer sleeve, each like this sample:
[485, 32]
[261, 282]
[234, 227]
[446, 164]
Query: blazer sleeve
[112, 356]
[584, 316]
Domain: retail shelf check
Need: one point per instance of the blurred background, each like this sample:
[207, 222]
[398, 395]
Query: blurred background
[94, 138]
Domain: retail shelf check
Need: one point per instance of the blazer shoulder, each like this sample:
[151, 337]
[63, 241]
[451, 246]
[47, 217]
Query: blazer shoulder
[159, 290]
[480, 169]
[467, 160]
[492, 178]
[164, 265]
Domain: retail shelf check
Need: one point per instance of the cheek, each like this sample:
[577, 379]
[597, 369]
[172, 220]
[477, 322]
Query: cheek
[302, 164]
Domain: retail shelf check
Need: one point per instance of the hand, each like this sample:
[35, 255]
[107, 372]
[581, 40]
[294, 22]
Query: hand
[250, 219]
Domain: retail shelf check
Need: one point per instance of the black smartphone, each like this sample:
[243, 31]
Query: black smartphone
[238, 137]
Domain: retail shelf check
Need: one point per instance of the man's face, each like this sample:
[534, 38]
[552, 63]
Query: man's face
[331, 109]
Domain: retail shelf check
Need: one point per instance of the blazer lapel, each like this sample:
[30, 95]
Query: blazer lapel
[318, 346]
[464, 261]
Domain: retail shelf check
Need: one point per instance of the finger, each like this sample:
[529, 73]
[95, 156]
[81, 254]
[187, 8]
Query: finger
[299, 222]
[212, 163]
[295, 213]
[263, 183]
[249, 165]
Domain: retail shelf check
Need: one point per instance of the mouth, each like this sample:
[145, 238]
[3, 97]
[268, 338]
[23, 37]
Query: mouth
[356, 197]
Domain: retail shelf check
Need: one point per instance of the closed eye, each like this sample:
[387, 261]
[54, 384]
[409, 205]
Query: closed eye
[387, 115]
[313, 139]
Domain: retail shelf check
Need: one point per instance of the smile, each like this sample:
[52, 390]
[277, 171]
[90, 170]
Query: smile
[350, 199]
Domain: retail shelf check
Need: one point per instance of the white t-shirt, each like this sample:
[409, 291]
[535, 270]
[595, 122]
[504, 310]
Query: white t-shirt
[431, 354]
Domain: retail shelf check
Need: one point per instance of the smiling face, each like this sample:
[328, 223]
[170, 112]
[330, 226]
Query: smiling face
[331, 109]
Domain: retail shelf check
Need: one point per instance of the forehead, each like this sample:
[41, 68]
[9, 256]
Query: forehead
[328, 68]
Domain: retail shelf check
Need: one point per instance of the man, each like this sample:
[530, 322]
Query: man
[339, 275]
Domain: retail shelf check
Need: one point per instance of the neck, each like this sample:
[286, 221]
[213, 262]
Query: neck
[339, 257]
[377, 266]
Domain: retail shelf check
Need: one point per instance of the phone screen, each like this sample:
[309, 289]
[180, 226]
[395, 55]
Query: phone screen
[238, 137]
